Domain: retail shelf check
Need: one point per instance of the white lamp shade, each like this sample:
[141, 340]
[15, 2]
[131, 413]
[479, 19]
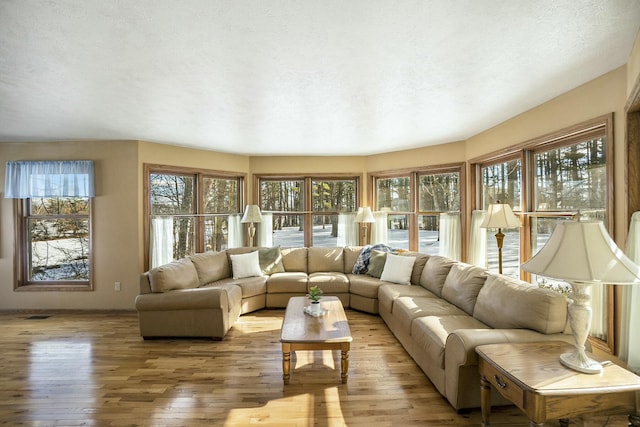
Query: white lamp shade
[583, 251]
[365, 215]
[500, 215]
[251, 214]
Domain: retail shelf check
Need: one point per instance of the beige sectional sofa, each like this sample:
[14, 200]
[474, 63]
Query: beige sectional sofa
[445, 310]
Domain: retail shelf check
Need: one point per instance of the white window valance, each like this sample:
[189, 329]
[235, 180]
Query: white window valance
[67, 178]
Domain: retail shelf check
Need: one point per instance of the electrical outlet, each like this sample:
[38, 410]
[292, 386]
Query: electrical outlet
[116, 286]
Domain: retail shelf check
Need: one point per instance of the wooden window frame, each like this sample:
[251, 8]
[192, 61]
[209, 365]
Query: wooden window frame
[199, 175]
[307, 212]
[21, 256]
[414, 175]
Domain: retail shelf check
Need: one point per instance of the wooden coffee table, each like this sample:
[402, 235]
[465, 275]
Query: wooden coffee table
[301, 331]
[530, 375]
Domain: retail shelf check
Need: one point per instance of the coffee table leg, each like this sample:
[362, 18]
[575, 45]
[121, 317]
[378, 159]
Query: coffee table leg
[286, 362]
[485, 401]
[345, 366]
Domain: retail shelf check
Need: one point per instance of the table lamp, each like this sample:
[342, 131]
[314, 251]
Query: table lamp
[582, 253]
[365, 216]
[499, 215]
[251, 215]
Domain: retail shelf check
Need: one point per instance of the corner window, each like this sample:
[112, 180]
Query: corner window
[190, 211]
[420, 210]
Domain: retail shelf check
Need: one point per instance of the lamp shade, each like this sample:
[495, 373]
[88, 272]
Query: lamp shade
[583, 251]
[500, 215]
[251, 214]
[365, 215]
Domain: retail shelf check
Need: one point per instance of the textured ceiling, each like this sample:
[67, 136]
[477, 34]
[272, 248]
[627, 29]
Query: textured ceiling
[276, 77]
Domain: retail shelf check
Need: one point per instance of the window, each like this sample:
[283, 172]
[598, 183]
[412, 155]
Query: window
[191, 211]
[305, 211]
[421, 209]
[502, 183]
[53, 239]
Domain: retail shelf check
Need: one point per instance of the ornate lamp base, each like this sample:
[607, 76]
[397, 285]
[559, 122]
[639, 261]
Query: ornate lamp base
[580, 362]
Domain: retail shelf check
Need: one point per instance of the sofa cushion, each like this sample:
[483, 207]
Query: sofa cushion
[418, 265]
[270, 260]
[405, 309]
[397, 269]
[462, 285]
[388, 293]
[294, 259]
[364, 285]
[330, 282]
[287, 282]
[429, 334]
[435, 272]
[211, 266]
[506, 303]
[246, 265]
[324, 259]
[376, 263]
[180, 274]
[351, 254]
[250, 286]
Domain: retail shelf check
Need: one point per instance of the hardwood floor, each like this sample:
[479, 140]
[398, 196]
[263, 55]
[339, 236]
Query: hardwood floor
[72, 369]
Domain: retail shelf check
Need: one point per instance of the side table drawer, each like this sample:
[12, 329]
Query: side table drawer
[504, 385]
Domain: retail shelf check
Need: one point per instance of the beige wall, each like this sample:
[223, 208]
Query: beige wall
[115, 219]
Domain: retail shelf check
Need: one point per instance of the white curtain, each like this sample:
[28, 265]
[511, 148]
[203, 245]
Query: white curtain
[161, 241]
[347, 229]
[630, 333]
[380, 231]
[450, 235]
[599, 313]
[265, 230]
[478, 240]
[69, 178]
[235, 232]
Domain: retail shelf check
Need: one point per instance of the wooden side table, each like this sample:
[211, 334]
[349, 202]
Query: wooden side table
[530, 375]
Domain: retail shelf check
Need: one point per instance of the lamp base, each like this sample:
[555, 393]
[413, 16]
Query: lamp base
[579, 361]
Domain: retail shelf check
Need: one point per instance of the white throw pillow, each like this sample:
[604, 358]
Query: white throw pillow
[397, 269]
[246, 265]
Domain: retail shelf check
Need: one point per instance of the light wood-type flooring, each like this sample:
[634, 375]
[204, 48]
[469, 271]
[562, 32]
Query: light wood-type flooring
[93, 369]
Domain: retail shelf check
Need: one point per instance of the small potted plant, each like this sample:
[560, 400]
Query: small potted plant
[315, 293]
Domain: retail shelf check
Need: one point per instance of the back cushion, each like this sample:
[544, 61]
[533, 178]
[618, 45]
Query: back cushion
[507, 303]
[325, 259]
[434, 273]
[179, 274]
[462, 285]
[294, 259]
[418, 265]
[351, 254]
[211, 266]
[271, 260]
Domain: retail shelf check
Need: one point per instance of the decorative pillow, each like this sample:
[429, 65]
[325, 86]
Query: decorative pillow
[270, 260]
[180, 274]
[397, 269]
[376, 263]
[246, 265]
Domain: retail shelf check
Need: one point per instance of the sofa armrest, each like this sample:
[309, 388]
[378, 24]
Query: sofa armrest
[460, 348]
[184, 299]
